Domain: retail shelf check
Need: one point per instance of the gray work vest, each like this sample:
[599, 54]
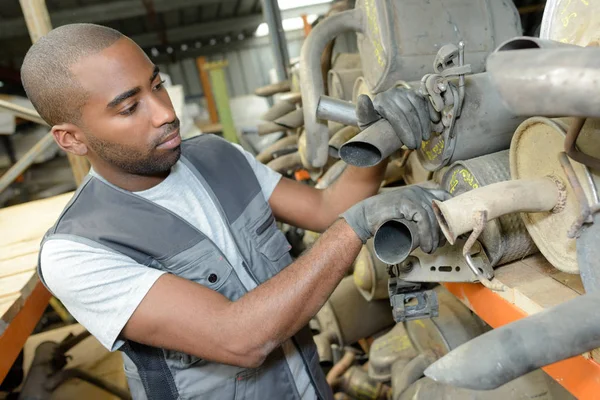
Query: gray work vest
[103, 215]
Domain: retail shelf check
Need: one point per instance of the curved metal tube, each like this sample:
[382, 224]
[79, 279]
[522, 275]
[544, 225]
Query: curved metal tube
[291, 120]
[311, 80]
[339, 138]
[267, 154]
[286, 162]
[457, 215]
[505, 353]
[394, 240]
[548, 82]
[269, 127]
[278, 110]
[273, 88]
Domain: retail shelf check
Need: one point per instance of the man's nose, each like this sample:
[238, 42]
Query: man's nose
[162, 111]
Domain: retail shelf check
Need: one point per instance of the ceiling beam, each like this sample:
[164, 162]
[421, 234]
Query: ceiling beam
[221, 48]
[222, 27]
[99, 13]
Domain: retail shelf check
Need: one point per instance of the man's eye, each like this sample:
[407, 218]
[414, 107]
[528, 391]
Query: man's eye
[130, 110]
[159, 85]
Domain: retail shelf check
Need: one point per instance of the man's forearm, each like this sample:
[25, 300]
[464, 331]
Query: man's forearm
[277, 309]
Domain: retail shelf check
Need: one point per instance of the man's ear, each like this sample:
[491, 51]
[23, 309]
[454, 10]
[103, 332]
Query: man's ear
[70, 138]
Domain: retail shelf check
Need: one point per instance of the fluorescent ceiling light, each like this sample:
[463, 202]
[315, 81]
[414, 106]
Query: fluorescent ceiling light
[288, 4]
[288, 24]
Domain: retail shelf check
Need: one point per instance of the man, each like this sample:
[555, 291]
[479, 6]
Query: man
[169, 251]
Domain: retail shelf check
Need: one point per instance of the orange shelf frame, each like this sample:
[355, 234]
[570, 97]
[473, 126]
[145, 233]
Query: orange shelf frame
[14, 337]
[579, 375]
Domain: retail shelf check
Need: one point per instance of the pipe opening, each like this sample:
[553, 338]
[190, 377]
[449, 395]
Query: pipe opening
[360, 154]
[439, 215]
[393, 242]
[520, 44]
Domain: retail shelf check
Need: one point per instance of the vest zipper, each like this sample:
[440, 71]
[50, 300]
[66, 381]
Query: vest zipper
[307, 369]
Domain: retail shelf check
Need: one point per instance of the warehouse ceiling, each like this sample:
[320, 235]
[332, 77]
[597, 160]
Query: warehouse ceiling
[173, 28]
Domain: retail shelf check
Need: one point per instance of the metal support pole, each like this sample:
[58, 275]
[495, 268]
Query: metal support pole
[207, 89]
[219, 86]
[38, 24]
[272, 16]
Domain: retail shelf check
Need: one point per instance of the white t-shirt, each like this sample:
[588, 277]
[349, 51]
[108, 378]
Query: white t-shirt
[102, 289]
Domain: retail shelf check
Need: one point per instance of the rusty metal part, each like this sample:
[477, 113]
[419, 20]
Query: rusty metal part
[571, 148]
[480, 220]
[340, 367]
[291, 120]
[267, 154]
[285, 163]
[370, 274]
[505, 239]
[456, 216]
[586, 212]
[357, 384]
[274, 88]
[341, 137]
[535, 153]
[347, 316]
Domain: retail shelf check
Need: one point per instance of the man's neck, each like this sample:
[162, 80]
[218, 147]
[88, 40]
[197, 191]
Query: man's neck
[127, 181]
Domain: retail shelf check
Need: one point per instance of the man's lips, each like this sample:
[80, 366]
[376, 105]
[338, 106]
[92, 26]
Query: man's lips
[171, 141]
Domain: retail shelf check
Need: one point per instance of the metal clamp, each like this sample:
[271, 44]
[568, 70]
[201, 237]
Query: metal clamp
[480, 219]
[410, 301]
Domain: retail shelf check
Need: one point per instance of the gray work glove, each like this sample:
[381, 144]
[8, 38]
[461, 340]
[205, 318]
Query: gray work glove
[406, 110]
[412, 203]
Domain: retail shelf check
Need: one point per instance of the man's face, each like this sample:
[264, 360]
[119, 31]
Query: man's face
[128, 119]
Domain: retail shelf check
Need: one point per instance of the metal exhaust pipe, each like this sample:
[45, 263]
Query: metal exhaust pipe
[571, 74]
[267, 154]
[278, 110]
[310, 72]
[458, 215]
[269, 127]
[341, 137]
[505, 353]
[286, 162]
[529, 42]
[371, 146]
[394, 241]
[292, 120]
[274, 88]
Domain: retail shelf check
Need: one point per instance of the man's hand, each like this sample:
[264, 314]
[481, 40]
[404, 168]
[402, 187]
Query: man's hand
[412, 203]
[404, 109]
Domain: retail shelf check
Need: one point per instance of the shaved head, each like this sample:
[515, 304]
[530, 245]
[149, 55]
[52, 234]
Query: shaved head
[46, 73]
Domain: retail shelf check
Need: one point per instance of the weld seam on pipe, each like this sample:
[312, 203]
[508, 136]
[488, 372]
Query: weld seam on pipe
[456, 216]
[311, 80]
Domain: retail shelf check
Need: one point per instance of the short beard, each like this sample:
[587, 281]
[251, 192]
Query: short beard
[133, 161]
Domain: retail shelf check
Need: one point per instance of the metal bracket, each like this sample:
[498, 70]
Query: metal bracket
[410, 302]
[447, 264]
